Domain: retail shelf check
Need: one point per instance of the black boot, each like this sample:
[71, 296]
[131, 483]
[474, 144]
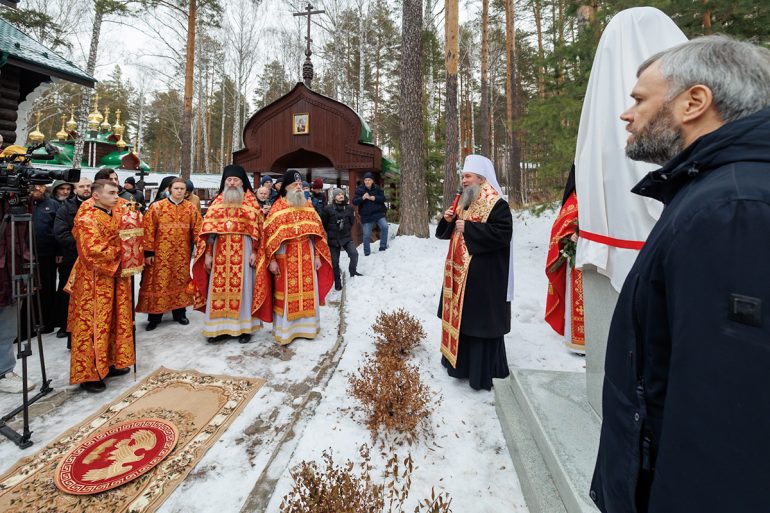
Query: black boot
[337, 280]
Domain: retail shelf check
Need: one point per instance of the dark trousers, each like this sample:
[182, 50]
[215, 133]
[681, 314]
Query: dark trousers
[62, 301]
[176, 314]
[350, 249]
[47, 268]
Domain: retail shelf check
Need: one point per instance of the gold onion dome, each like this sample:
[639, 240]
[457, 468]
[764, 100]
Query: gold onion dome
[121, 144]
[95, 117]
[36, 135]
[105, 126]
[62, 134]
[72, 124]
[117, 128]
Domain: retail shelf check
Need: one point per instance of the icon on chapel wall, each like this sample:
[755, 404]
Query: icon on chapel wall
[301, 124]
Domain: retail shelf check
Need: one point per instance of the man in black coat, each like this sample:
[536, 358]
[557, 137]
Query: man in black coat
[338, 221]
[475, 304]
[68, 251]
[370, 200]
[44, 212]
[685, 410]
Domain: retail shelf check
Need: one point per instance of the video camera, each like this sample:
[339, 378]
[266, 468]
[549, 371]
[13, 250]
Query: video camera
[17, 176]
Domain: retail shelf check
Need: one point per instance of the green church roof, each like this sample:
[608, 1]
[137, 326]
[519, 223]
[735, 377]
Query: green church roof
[19, 49]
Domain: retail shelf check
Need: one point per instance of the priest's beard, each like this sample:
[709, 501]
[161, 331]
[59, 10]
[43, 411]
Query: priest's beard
[659, 141]
[232, 196]
[470, 194]
[296, 198]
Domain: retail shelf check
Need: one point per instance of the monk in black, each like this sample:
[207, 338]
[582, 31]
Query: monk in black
[475, 281]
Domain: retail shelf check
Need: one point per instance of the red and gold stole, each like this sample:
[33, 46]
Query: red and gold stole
[456, 266]
[230, 224]
[556, 270]
[294, 288]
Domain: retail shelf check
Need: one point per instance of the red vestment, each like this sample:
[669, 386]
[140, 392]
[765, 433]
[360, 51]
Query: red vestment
[564, 227]
[100, 318]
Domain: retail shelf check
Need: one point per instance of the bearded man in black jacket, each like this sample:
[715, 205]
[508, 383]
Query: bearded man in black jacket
[338, 221]
[685, 410]
[68, 251]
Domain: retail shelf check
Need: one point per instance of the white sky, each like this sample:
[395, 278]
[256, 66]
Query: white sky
[123, 44]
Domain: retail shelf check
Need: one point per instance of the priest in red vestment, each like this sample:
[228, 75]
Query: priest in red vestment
[100, 317]
[564, 304]
[171, 227]
[230, 271]
[300, 261]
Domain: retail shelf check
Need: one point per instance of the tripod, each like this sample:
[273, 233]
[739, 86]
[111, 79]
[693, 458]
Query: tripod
[25, 288]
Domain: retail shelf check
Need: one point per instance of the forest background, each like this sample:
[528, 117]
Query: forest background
[505, 78]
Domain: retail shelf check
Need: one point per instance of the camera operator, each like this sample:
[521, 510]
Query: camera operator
[44, 214]
[10, 382]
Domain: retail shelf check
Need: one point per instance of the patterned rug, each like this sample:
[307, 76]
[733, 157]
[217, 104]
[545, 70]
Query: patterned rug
[200, 406]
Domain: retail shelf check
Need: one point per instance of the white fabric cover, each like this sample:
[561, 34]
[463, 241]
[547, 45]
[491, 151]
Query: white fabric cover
[604, 175]
[482, 166]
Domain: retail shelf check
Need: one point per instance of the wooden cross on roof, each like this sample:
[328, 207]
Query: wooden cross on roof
[307, 68]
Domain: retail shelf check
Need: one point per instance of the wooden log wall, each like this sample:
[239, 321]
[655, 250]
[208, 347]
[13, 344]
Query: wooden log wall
[10, 97]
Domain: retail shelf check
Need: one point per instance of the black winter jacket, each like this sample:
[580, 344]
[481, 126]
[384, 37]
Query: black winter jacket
[338, 222]
[44, 215]
[62, 230]
[370, 211]
[686, 414]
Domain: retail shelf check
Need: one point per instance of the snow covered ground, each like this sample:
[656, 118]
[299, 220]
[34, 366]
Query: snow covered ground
[300, 411]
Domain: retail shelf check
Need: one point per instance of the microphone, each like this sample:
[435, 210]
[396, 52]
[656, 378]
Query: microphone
[457, 198]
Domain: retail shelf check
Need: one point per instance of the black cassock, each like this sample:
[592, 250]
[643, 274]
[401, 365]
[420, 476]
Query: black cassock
[486, 314]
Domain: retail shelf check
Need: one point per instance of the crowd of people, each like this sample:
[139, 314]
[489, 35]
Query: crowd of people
[269, 255]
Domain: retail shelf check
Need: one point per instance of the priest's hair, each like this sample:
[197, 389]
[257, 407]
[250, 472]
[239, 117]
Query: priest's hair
[296, 198]
[470, 194]
[232, 195]
[736, 72]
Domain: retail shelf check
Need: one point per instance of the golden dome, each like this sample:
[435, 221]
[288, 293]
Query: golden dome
[36, 135]
[62, 134]
[121, 144]
[117, 128]
[72, 125]
[105, 126]
[95, 117]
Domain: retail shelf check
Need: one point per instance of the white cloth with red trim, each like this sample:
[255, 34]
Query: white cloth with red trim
[604, 175]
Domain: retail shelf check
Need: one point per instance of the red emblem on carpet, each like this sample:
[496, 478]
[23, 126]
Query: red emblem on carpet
[114, 456]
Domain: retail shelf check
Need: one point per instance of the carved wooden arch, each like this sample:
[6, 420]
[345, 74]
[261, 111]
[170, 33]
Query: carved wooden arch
[334, 133]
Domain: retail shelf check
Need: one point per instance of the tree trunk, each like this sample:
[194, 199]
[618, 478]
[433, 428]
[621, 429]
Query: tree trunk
[414, 199]
[484, 107]
[540, 51]
[189, 71]
[87, 92]
[513, 164]
[452, 136]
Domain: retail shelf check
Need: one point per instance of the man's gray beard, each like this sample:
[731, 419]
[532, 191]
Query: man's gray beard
[232, 196]
[658, 142]
[469, 195]
[296, 199]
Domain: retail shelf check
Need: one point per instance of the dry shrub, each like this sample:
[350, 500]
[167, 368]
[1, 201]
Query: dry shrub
[393, 396]
[397, 332]
[334, 489]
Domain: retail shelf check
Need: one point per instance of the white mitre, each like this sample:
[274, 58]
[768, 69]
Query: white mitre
[482, 166]
[604, 175]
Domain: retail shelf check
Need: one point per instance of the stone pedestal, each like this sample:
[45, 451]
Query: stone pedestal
[599, 299]
[552, 434]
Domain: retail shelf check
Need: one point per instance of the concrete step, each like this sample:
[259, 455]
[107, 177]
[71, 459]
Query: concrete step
[552, 434]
